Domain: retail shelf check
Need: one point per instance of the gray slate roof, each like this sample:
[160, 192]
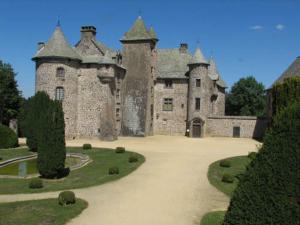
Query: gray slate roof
[213, 72]
[172, 64]
[198, 58]
[57, 46]
[292, 71]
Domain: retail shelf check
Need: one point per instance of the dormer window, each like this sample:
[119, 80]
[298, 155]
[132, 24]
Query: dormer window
[168, 83]
[60, 72]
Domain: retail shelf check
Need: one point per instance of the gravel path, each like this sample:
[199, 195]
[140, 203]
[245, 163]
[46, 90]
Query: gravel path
[170, 188]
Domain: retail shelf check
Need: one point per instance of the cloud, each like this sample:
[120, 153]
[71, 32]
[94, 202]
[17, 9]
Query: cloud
[279, 27]
[256, 27]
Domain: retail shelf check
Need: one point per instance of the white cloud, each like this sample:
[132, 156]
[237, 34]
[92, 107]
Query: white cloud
[280, 27]
[256, 27]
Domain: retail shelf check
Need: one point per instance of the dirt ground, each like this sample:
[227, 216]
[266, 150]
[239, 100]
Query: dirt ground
[170, 188]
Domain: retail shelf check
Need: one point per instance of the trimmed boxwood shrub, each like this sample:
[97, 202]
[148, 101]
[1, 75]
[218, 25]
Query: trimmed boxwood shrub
[113, 170]
[133, 159]
[66, 198]
[8, 138]
[87, 146]
[225, 163]
[252, 155]
[227, 178]
[36, 183]
[269, 191]
[120, 149]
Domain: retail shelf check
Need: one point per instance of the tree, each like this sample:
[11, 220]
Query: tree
[51, 142]
[269, 191]
[246, 98]
[10, 96]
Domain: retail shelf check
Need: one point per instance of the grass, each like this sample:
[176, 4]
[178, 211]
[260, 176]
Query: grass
[216, 172]
[39, 212]
[31, 164]
[6, 154]
[213, 218]
[95, 173]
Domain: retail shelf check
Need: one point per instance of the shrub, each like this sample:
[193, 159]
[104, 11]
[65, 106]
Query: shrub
[120, 149]
[66, 198]
[0, 158]
[36, 183]
[252, 155]
[269, 189]
[113, 170]
[225, 163]
[133, 159]
[227, 178]
[8, 138]
[87, 146]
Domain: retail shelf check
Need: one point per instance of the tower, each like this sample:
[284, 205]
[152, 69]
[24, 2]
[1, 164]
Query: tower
[137, 98]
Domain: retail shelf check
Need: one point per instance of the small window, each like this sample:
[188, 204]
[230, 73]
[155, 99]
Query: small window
[168, 104]
[118, 93]
[59, 93]
[60, 72]
[168, 83]
[236, 132]
[197, 104]
[198, 82]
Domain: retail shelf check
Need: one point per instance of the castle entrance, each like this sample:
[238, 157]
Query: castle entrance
[197, 128]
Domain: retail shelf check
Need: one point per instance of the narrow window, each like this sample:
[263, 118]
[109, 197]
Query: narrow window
[236, 132]
[197, 104]
[168, 104]
[198, 82]
[59, 93]
[118, 93]
[168, 83]
[60, 72]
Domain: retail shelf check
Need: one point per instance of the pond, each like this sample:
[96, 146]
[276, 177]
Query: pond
[31, 164]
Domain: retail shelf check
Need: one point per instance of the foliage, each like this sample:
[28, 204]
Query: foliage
[66, 198]
[120, 149]
[51, 142]
[269, 192]
[227, 178]
[133, 159]
[8, 138]
[252, 155]
[213, 218]
[113, 170]
[87, 146]
[285, 93]
[10, 96]
[36, 183]
[225, 163]
[246, 98]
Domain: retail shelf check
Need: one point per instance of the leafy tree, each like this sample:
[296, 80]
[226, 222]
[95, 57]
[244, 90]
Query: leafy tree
[10, 96]
[246, 98]
[269, 191]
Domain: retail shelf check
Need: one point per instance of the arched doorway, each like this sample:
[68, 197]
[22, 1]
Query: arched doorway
[197, 128]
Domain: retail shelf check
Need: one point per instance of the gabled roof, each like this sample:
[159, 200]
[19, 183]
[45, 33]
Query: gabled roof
[292, 71]
[57, 46]
[137, 32]
[198, 58]
[103, 48]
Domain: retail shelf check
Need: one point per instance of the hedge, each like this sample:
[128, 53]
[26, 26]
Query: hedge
[8, 138]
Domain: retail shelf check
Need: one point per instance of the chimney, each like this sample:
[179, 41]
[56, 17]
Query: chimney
[183, 48]
[40, 45]
[88, 32]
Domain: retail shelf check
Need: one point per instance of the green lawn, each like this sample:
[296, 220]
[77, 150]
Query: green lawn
[39, 212]
[6, 154]
[215, 173]
[213, 218]
[94, 173]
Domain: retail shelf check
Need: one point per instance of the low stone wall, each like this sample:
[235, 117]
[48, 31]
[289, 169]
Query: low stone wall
[222, 126]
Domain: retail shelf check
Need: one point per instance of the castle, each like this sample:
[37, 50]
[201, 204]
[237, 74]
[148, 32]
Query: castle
[139, 91]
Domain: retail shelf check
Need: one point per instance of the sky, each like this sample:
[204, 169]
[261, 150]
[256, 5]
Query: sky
[246, 37]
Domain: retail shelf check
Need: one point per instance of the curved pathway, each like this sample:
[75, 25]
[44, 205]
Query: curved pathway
[170, 188]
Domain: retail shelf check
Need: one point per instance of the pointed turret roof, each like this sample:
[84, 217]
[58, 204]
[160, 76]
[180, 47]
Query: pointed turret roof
[137, 32]
[57, 46]
[198, 58]
[152, 33]
[212, 70]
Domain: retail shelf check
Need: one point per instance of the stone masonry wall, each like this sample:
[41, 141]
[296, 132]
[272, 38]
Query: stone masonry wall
[171, 122]
[222, 126]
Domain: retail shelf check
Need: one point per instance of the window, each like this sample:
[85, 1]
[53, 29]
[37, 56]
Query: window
[168, 83]
[236, 132]
[198, 82]
[168, 104]
[118, 93]
[59, 93]
[60, 72]
[197, 104]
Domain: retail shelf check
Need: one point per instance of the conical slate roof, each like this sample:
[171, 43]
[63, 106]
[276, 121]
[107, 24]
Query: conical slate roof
[212, 70]
[137, 32]
[152, 33]
[198, 58]
[57, 46]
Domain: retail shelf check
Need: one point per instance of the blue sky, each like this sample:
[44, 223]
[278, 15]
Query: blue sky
[246, 37]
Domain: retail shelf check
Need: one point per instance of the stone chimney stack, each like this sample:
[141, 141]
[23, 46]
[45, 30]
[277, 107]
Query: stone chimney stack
[183, 48]
[88, 32]
[40, 45]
